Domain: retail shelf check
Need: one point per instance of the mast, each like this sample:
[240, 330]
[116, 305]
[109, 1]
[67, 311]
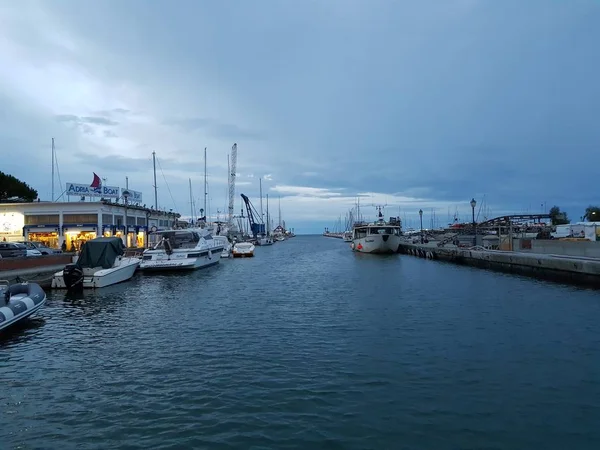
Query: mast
[267, 215]
[280, 210]
[261, 205]
[155, 187]
[191, 201]
[52, 169]
[205, 193]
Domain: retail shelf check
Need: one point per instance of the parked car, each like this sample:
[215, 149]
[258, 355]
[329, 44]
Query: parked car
[35, 245]
[12, 250]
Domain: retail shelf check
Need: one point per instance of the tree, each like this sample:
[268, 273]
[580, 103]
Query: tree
[592, 214]
[557, 216]
[11, 187]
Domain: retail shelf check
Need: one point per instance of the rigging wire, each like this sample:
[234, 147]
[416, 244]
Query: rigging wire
[168, 188]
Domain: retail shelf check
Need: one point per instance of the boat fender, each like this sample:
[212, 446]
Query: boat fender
[209, 254]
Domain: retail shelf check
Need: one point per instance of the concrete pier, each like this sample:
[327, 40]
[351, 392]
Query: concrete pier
[569, 269]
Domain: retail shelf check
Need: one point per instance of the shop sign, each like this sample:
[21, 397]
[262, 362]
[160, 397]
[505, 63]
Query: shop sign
[134, 196]
[12, 223]
[83, 190]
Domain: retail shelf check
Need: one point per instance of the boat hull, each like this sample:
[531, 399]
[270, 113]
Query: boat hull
[180, 261]
[104, 277]
[377, 244]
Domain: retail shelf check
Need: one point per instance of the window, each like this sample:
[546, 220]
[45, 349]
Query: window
[141, 221]
[107, 219]
[80, 218]
[41, 219]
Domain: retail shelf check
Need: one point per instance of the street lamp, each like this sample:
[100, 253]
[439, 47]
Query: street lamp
[421, 217]
[473, 204]
[126, 195]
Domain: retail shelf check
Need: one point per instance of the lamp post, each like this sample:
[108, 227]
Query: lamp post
[126, 195]
[473, 204]
[421, 217]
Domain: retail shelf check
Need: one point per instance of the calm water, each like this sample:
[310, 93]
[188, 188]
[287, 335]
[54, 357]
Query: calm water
[309, 346]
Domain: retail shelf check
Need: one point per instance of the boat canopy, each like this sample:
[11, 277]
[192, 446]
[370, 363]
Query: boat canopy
[177, 238]
[101, 252]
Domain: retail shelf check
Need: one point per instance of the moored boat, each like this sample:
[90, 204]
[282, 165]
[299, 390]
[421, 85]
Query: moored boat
[18, 302]
[243, 250]
[377, 237]
[101, 263]
[182, 250]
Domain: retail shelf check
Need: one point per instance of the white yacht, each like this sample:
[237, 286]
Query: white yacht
[377, 237]
[347, 236]
[264, 240]
[182, 250]
[101, 263]
[243, 250]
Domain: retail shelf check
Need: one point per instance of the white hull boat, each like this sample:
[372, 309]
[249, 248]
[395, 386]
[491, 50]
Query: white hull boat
[100, 264]
[264, 241]
[18, 302]
[226, 253]
[379, 237]
[183, 250]
[243, 250]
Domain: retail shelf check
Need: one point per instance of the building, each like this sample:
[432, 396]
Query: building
[76, 222]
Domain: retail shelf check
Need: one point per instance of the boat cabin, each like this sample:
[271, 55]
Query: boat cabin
[176, 238]
[373, 230]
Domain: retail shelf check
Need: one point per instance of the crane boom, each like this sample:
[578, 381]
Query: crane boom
[256, 224]
[232, 172]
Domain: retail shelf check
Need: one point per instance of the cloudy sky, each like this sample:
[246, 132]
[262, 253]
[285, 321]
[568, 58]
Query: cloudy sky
[413, 104]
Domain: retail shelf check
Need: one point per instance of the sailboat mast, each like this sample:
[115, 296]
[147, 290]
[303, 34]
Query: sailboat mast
[155, 187]
[191, 201]
[267, 214]
[52, 169]
[261, 205]
[205, 184]
[280, 210]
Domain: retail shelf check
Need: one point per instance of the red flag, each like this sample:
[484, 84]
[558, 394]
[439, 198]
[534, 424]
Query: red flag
[97, 182]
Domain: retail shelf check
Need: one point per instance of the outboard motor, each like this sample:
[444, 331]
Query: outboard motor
[73, 277]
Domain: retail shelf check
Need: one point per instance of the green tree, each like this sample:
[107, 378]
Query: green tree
[13, 187]
[592, 214]
[558, 217]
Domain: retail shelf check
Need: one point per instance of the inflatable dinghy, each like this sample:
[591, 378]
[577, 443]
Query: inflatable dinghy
[19, 301]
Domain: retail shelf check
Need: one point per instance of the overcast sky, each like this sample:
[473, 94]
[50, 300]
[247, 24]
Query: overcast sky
[415, 104]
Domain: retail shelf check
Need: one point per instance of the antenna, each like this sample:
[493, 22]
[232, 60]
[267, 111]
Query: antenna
[52, 169]
[155, 187]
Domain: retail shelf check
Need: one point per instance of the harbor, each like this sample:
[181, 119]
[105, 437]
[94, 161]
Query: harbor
[243, 360]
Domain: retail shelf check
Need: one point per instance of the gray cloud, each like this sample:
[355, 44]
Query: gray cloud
[77, 120]
[214, 128]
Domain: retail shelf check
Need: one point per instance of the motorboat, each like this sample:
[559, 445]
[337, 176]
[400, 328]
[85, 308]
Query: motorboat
[18, 302]
[243, 250]
[347, 236]
[377, 237]
[101, 263]
[264, 240]
[182, 250]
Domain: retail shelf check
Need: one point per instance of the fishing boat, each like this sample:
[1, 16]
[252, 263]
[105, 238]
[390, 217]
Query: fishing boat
[377, 237]
[182, 250]
[101, 263]
[18, 302]
[243, 250]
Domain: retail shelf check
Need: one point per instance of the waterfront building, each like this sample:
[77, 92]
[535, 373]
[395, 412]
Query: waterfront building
[73, 223]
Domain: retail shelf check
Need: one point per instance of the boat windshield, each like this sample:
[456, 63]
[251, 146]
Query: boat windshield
[178, 239]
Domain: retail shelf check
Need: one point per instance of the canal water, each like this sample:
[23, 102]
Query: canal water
[306, 346]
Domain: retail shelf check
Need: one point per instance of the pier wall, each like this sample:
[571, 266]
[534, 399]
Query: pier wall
[558, 268]
[30, 262]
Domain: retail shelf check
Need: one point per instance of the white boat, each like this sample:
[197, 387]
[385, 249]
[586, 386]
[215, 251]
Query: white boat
[182, 250]
[243, 250]
[19, 301]
[100, 264]
[226, 253]
[264, 241]
[347, 236]
[377, 237]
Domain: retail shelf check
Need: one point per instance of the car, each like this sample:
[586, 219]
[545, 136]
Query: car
[12, 250]
[35, 245]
